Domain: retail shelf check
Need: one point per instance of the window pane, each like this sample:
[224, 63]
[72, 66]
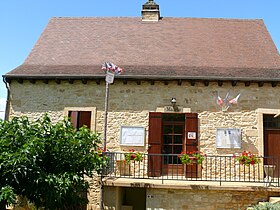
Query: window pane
[178, 139]
[178, 129]
[167, 149]
[167, 129]
[174, 159]
[173, 117]
[270, 121]
[167, 139]
[177, 149]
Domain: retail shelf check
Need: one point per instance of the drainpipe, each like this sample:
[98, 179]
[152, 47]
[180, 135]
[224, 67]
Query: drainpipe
[7, 111]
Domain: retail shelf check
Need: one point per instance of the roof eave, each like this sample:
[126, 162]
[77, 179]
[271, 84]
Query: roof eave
[139, 77]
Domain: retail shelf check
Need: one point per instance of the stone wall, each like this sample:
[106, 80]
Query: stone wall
[245, 120]
[198, 198]
[93, 193]
[161, 199]
[130, 104]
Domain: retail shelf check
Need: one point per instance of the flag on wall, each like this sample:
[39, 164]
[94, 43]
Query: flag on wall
[108, 66]
[234, 100]
[226, 102]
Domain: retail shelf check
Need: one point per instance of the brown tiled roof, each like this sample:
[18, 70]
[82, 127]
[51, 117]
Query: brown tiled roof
[172, 47]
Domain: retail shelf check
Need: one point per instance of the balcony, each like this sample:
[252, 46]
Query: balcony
[217, 170]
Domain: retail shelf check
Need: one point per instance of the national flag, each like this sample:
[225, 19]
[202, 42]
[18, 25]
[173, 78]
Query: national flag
[234, 100]
[108, 66]
[220, 101]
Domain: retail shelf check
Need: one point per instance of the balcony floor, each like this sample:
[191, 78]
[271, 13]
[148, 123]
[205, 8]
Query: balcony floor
[160, 182]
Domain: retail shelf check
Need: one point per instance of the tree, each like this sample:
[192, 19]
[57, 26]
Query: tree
[47, 162]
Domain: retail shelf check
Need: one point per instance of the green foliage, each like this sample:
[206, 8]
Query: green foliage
[47, 162]
[7, 195]
[191, 157]
[267, 206]
[247, 158]
[132, 155]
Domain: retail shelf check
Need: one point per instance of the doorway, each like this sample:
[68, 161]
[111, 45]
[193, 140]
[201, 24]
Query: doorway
[169, 135]
[271, 127]
[173, 142]
[133, 198]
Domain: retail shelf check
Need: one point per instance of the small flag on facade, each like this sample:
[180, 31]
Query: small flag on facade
[108, 66]
[226, 102]
[220, 101]
[234, 100]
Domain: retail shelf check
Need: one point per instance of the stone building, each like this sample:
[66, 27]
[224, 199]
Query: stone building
[189, 84]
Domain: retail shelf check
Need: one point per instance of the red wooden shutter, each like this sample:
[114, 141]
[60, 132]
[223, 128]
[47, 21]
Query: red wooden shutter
[191, 123]
[272, 148]
[191, 129]
[84, 118]
[154, 141]
[74, 118]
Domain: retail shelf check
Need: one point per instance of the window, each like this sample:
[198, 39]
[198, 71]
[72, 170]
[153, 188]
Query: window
[81, 116]
[269, 121]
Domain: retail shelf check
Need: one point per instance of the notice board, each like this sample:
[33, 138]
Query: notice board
[228, 138]
[132, 136]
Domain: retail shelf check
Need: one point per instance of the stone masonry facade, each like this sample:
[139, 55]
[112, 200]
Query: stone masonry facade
[130, 104]
[203, 199]
[198, 198]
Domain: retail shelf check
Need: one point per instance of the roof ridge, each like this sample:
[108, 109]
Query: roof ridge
[92, 17]
[175, 18]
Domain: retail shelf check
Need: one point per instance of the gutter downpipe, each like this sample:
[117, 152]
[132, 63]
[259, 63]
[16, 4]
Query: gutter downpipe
[7, 109]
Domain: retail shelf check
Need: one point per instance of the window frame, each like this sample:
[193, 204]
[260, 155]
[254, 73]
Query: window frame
[86, 109]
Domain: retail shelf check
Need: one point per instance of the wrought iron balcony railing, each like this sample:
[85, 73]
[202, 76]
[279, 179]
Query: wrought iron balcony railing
[213, 168]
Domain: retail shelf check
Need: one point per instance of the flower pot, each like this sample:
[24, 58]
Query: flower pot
[124, 168]
[269, 171]
[193, 170]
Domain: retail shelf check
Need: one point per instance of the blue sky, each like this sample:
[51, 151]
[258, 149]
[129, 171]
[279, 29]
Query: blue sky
[22, 21]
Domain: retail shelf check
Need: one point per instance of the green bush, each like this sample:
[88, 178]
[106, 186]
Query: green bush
[267, 206]
[46, 162]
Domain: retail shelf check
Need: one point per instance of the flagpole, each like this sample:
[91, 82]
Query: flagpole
[109, 80]
[105, 116]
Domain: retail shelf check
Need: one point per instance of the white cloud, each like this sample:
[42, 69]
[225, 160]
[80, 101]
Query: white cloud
[2, 107]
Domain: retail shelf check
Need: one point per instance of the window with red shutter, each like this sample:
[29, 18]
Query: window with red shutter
[80, 118]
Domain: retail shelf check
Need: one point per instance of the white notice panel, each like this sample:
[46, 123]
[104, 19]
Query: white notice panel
[228, 138]
[132, 136]
[109, 77]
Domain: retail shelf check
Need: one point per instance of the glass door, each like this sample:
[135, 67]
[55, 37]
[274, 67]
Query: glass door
[173, 142]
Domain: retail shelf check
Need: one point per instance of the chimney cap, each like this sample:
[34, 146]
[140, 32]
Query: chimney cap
[150, 2]
[150, 11]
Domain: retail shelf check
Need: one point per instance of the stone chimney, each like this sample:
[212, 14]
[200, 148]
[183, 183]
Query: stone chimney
[150, 11]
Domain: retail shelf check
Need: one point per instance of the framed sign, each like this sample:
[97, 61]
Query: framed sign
[109, 77]
[132, 136]
[191, 135]
[228, 138]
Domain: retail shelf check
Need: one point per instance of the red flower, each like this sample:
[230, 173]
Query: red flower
[133, 156]
[247, 158]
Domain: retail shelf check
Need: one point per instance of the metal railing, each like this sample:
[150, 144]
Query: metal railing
[213, 168]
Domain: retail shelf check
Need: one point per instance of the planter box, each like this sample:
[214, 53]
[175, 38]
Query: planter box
[124, 168]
